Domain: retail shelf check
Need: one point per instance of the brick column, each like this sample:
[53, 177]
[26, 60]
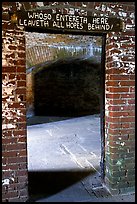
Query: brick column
[14, 152]
[120, 112]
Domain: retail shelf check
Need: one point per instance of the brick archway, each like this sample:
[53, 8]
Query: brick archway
[119, 98]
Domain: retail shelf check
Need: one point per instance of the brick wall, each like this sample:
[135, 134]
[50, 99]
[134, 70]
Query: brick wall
[14, 155]
[119, 98]
[120, 112]
[120, 105]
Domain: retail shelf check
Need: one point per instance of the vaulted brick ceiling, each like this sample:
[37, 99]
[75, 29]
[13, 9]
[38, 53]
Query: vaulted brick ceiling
[41, 47]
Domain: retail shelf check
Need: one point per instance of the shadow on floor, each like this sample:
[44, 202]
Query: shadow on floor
[44, 184]
[45, 119]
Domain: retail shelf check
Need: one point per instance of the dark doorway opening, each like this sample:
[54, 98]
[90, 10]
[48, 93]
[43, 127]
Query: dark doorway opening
[67, 87]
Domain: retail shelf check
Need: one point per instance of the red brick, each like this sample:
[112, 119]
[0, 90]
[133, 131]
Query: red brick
[21, 77]
[10, 69]
[21, 69]
[20, 62]
[6, 133]
[21, 55]
[114, 108]
[12, 47]
[118, 114]
[9, 154]
[112, 83]
[9, 140]
[20, 90]
[21, 119]
[21, 47]
[15, 147]
[117, 101]
[16, 160]
[10, 194]
[131, 8]
[21, 83]
[14, 105]
[22, 179]
[129, 95]
[22, 139]
[127, 83]
[118, 89]
[21, 173]
[132, 76]
[19, 133]
[116, 96]
[131, 101]
[119, 77]
[22, 125]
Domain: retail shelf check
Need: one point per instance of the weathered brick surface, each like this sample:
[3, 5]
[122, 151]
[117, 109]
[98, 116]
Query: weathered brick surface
[14, 153]
[119, 97]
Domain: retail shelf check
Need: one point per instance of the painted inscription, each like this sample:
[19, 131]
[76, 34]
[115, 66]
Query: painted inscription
[68, 22]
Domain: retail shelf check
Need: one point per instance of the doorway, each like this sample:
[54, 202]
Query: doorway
[65, 106]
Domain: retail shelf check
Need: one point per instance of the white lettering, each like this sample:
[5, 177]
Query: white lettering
[46, 24]
[104, 21]
[107, 27]
[40, 16]
[25, 22]
[37, 22]
[98, 26]
[100, 21]
[74, 25]
[96, 20]
[30, 16]
[85, 20]
[20, 23]
[70, 18]
[89, 26]
[58, 24]
[29, 23]
[47, 16]
[36, 15]
[54, 24]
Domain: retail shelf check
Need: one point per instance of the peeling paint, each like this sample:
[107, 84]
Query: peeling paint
[7, 181]
[103, 7]
[19, 112]
[115, 57]
[19, 5]
[97, 8]
[119, 163]
[107, 170]
[7, 91]
[40, 4]
[106, 108]
[129, 26]
[132, 15]
[123, 14]
[107, 143]
[128, 150]
[122, 143]
[84, 5]
[8, 126]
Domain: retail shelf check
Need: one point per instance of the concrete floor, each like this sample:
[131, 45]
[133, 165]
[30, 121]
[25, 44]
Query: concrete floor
[68, 144]
[64, 161]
